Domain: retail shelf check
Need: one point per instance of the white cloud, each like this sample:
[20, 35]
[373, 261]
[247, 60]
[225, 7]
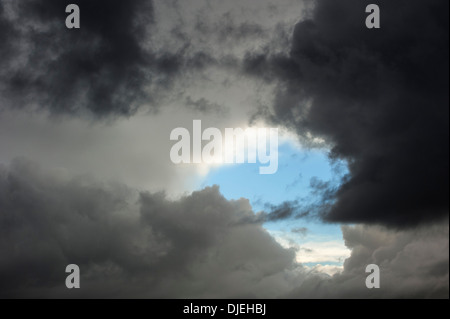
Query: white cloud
[326, 269]
[320, 252]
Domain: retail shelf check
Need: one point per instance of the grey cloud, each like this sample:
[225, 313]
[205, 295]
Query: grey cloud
[130, 244]
[204, 106]
[379, 97]
[144, 245]
[108, 67]
[311, 206]
[118, 62]
[101, 67]
[413, 264]
[278, 212]
[226, 30]
[300, 230]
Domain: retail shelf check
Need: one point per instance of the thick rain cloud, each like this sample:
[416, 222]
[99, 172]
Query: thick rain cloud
[106, 67]
[132, 244]
[108, 198]
[379, 97]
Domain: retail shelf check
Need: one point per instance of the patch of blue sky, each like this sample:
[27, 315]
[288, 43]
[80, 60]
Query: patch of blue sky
[291, 181]
[296, 168]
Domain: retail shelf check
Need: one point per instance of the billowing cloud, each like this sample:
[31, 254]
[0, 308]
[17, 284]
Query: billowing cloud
[137, 244]
[130, 244]
[413, 264]
[379, 97]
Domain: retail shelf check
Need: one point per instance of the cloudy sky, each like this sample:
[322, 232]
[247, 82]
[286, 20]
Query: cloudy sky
[86, 176]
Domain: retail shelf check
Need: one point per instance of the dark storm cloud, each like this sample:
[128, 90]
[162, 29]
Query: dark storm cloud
[105, 67]
[132, 244]
[379, 96]
[129, 244]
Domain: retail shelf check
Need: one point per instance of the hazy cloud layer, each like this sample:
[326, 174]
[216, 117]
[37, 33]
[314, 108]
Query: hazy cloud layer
[380, 97]
[131, 244]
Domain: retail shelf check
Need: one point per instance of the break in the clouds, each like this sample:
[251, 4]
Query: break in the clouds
[138, 244]
[379, 97]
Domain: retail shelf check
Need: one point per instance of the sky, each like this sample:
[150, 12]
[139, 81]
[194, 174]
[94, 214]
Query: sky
[86, 175]
[297, 169]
